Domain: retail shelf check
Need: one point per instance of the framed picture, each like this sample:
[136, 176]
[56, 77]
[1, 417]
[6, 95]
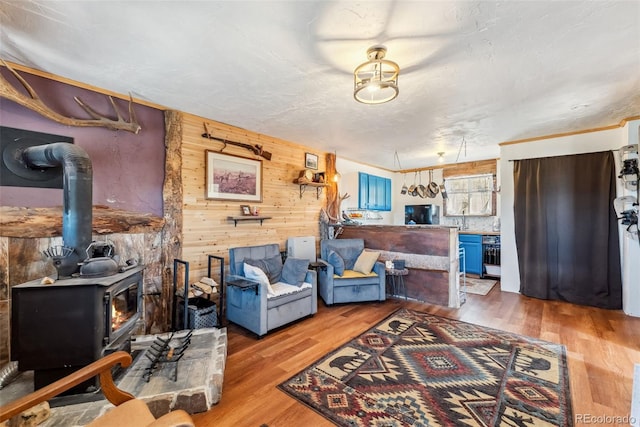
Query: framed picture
[246, 210]
[310, 161]
[232, 177]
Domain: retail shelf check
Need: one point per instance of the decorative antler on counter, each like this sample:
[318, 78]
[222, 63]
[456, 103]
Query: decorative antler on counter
[256, 149]
[333, 206]
[35, 103]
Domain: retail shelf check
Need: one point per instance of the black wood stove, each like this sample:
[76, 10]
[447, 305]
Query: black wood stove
[94, 305]
[61, 327]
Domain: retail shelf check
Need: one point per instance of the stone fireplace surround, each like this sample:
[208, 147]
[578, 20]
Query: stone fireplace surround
[26, 232]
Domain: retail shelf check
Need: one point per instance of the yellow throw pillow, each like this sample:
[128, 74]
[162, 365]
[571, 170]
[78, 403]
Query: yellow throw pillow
[365, 262]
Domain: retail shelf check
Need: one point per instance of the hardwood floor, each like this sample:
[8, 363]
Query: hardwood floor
[602, 347]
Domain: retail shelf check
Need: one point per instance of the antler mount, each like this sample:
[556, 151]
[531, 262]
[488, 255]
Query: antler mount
[35, 103]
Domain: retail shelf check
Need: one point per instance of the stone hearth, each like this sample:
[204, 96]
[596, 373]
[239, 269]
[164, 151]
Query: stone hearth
[200, 375]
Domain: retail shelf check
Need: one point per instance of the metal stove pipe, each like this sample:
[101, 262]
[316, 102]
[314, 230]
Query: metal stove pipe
[78, 197]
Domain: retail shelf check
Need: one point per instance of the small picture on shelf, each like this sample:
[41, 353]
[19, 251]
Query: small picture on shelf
[246, 210]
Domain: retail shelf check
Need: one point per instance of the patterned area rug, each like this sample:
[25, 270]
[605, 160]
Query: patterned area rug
[416, 369]
[479, 286]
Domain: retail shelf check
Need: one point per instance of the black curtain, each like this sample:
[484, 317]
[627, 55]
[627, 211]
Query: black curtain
[566, 229]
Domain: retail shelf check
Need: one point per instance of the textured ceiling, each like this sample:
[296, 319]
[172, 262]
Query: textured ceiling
[480, 71]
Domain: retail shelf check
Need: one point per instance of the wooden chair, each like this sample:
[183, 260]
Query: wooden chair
[128, 410]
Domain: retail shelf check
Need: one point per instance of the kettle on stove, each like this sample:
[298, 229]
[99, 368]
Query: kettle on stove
[100, 260]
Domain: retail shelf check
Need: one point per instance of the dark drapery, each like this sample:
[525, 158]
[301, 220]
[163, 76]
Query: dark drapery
[566, 229]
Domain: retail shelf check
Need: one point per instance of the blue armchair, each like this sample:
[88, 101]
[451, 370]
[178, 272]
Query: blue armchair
[255, 308]
[348, 285]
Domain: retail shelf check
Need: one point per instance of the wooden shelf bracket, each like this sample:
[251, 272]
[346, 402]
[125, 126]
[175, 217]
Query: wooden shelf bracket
[318, 186]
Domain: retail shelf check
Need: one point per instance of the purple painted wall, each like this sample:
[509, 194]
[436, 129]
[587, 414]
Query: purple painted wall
[128, 169]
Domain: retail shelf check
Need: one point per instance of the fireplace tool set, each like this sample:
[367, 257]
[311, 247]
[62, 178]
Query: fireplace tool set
[161, 352]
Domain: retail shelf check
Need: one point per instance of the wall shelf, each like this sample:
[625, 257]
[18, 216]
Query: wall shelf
[235, 219]
[317, 185]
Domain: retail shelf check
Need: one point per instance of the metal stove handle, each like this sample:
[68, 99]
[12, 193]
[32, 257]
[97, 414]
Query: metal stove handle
[108, 252]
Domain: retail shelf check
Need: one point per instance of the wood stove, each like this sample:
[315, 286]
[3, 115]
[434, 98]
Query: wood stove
[60, 327]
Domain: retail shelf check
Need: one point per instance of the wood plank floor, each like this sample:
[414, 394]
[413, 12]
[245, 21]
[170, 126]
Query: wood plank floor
[602, 347]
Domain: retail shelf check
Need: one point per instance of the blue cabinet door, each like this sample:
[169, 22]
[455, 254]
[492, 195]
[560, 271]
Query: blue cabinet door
[472, 244]
[386, 205]
[374, 192]
[363, 190]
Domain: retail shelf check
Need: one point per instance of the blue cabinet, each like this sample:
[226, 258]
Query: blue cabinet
[374, 192]
[472, 244]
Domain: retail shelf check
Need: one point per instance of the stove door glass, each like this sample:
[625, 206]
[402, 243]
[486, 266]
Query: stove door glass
[124, 306]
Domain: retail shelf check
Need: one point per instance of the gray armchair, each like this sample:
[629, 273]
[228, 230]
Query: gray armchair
[350, 286]
[255, 308]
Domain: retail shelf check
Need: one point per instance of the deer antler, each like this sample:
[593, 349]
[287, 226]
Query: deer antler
[35, 103]
[333, 206]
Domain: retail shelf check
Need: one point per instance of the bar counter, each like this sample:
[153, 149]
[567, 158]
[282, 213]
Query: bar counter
[430, 253]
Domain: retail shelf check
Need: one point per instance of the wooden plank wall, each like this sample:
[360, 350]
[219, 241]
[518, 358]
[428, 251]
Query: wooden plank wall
[206, 229]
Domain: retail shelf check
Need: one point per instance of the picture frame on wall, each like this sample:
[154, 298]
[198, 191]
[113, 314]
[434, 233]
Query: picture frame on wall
[311, 161]
[231, 177]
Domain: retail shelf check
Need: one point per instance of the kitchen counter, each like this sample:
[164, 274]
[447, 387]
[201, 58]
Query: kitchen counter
[484, 233]
[430, 253]
[409, 226]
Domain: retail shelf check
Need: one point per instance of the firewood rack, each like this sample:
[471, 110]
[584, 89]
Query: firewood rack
[175, 323]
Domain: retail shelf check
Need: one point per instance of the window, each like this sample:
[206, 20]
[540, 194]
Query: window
[470, 195]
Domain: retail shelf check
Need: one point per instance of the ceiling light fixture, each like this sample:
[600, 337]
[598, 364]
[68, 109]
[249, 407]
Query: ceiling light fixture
[441, 157]
[376, 81]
